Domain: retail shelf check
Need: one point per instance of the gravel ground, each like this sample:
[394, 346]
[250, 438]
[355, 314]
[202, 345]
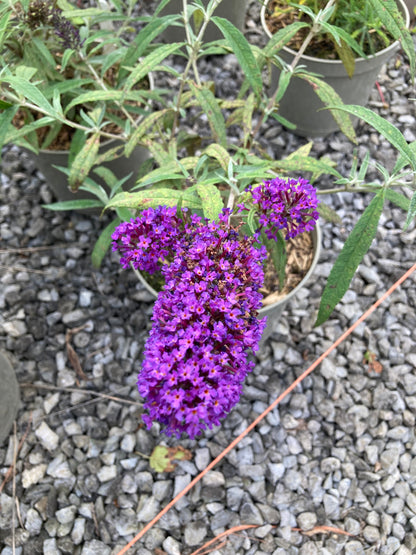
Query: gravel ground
[338, 452]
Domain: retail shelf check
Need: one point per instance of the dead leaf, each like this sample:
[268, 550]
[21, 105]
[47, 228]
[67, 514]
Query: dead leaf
[162, 457]
[370, 359]
[72, 355]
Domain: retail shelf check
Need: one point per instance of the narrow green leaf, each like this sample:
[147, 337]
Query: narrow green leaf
[4, 23]
[282, 37]
[332, 100]
[103, 243]
[84, 161]
[398, 199]
[412, 211]
[391, 17]
[351, 255]
[28, 90]
[284, 80]
[218, 152]
[145, 125]
[149, 63]
[329, 214]
[211, 200]
[80, 204]
[243, 52]
[6, 117]
[248, 119]
[384, 127]
[155, 198]
[302, 163]
[210, 106]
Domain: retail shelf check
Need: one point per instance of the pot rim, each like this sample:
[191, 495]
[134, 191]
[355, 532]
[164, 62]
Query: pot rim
[305, 57]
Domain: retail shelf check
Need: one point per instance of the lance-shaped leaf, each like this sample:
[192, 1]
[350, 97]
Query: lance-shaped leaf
[6, 117]
[84, 161]
[384, 127]
[277, 251]
[148, 123]
[243, 52]
[29, 91]
[300, 163]
[279, 39]
[351, 255]
[412, 211]
[220, 154]
[79, 204]
[332, 100]
[391, 17]
[103, 243]
[143, 67]
[154, 198]
[398, 199]
[211, 200]
[248, 119]
[211, 108]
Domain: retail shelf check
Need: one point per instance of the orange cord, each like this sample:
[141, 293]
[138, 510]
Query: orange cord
[269, 409]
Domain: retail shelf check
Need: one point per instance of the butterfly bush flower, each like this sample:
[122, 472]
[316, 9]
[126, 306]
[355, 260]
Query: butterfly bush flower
[204, 320]
[289, 204]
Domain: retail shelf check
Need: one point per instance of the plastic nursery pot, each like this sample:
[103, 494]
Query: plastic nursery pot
[233, 10]
[300, 104]
[9, 397]
[273, 311]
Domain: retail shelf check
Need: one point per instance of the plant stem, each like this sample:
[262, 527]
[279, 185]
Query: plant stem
[193, 49]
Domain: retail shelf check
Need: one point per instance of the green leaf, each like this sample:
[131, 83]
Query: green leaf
[143, 67]
[154, 198]
[277, 251]
[412, 211]
[29, 91]
[284, 80]
[161, 459]
[103, 243]
[242, 50]
[218, 152]
[351, 255]
[80, 204]
[6, 118]
[384, 127]
[212, 203]
[300, 163]
[391, 17]
[332, 100]
[84, 161]
[147, 123]
[398, 199]
[248, 119]
[328, 214]
[282, 37]
[210, 106]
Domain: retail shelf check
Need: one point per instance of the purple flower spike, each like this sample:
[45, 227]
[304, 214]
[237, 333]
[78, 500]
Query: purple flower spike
[289, 204]
[204, 321]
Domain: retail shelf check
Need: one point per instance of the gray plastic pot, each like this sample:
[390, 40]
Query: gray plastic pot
[233, 10]
[9, 397]
[300, 104]
[273, 311]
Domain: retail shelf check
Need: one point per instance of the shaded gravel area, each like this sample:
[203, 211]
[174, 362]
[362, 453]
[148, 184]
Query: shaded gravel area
[338, 452]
